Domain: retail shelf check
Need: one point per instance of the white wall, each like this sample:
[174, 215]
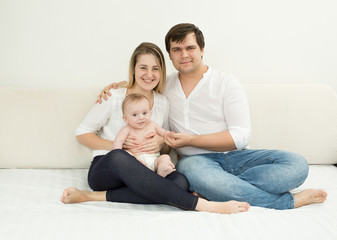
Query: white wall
[83, 42]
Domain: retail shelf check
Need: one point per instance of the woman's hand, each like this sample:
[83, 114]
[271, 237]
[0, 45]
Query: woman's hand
[106, 91]
[131, 143]
[152, 144]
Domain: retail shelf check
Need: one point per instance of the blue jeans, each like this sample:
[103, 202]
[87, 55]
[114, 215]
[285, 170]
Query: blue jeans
[260, 177]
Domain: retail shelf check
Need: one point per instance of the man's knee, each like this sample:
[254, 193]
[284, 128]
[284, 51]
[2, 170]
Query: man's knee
[298, 167]
[184, 165]
[301, 165]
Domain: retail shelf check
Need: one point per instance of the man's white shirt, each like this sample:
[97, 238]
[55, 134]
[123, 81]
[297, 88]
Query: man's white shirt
[216, 104]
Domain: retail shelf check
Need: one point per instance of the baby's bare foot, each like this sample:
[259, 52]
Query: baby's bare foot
[164, 170]
[309, 196]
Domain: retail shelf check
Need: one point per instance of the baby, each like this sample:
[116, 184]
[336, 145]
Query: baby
[136, 114]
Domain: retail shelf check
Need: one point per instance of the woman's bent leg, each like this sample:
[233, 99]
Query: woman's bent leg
[119, 169]
[171, 190]
[125, 195]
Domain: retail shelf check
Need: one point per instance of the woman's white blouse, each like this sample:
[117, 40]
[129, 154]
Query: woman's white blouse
[106, 119]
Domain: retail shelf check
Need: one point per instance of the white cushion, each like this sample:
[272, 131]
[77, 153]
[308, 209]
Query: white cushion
[37, 125]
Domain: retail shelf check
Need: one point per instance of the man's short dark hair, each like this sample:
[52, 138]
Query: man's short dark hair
[178, 33]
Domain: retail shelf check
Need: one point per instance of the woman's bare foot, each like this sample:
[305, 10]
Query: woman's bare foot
[73, 195]
[309, 196]
[221, 207]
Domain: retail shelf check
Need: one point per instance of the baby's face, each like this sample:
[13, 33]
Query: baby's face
[137, 114]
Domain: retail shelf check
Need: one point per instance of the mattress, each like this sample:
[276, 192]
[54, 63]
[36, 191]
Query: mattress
[30, 208]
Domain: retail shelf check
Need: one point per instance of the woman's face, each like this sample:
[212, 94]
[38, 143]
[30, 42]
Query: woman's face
[147, 72]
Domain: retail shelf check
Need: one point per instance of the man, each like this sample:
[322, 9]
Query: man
[209, 114]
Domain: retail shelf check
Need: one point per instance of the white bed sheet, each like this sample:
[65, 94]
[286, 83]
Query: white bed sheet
[30, 208]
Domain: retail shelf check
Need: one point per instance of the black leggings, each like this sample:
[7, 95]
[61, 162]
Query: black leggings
[127, 180]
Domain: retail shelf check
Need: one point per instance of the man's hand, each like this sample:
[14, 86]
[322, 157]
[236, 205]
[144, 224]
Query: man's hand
[106, 91]
[177, 140]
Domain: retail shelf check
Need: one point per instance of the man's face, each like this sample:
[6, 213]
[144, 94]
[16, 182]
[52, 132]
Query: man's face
[186, 56]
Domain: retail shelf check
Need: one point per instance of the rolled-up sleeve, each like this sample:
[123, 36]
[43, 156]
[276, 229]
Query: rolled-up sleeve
[237, 115]
[240, 136]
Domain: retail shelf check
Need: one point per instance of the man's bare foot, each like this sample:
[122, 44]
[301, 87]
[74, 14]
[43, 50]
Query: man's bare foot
[309, 196]
[165, 169]
[221, 207]
[73, 195]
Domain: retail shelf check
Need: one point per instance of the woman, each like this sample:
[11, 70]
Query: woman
[117, 176]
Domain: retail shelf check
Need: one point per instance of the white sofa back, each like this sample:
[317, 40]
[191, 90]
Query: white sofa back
[299, 118]
[37, 125]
